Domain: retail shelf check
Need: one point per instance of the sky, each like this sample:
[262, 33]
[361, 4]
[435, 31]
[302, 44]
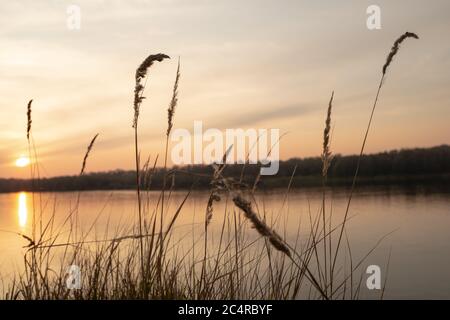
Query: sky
[244, 64]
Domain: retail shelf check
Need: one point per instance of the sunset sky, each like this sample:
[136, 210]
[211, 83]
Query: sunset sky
[244, 64]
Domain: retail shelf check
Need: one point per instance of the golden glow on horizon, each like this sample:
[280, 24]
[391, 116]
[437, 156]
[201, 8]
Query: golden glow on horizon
[22, 210]
[22, 161]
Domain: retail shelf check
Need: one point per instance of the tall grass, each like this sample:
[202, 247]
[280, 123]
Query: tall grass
[389, 59]
[141, 73]
[150, 259]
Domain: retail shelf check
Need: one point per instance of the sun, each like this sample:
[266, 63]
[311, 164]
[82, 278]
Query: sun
[22, 161]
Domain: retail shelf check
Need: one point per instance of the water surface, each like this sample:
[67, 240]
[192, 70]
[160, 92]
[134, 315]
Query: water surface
[418, 224]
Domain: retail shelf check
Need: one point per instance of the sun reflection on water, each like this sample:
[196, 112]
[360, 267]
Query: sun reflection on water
[22, 210]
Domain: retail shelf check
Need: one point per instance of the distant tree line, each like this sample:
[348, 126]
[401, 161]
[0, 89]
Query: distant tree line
[408, 166]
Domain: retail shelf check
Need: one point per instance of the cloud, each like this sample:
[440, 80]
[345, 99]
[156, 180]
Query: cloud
[246, 119]
[244, 63]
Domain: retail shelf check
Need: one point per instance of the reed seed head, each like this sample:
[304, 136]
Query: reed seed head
[396, 47]
[29, 119]
[218, 183]
[141, 73]
[174, 101]
[260, 226]
[326, 154]
[89, 148]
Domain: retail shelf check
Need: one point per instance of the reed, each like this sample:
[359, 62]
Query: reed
[170, 116]
[326, 161]
[278, 243]
[389, 59]
[141, 73]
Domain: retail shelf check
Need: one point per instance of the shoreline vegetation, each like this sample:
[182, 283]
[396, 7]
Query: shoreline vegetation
[146, 260]
[418, 166]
